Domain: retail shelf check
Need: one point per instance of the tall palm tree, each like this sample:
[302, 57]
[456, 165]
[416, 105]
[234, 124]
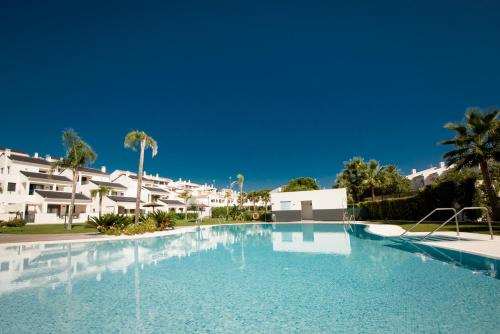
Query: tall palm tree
[101, 191]
[265, 196]
[228, 194]
[353, 178]
[186, 196]
[241, 180]
[78, 154]
[254, 197]
[373, 176]
[476, 142]
[140, 139]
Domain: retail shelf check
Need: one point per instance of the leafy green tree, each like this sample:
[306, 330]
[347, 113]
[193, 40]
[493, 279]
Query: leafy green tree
[101, 191]
[476, 142]
[301, 184]
[78, 154]
[353, 178]
[393, 182]
[373, 178]
[140, 139]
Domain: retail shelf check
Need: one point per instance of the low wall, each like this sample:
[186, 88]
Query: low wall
[319, 215]
[52, 218]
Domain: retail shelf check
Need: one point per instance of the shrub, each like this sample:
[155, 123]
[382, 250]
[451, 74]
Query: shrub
[219, 212]
[459, 193]
[149, 225]
[16, 222]
[163, 219]
[110, 220]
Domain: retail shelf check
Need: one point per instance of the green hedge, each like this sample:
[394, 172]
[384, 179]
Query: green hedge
[445, 194]
[236, 214]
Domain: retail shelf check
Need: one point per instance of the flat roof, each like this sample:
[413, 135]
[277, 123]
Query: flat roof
[22, 158]
[172, 202]
[45, 176]
[122, 199]
[61, 195]
[158, 190]
[108, 184]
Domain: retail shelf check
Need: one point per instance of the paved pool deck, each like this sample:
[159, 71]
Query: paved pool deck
[475, 243]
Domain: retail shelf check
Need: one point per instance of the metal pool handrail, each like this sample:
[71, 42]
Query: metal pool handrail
[430, 213]
[459, 212]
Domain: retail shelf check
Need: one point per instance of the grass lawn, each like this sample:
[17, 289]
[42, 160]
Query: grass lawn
[83, 228]
[47, 229]
[427, 227]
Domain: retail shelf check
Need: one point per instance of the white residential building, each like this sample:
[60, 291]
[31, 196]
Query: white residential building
[28, 188]
[427, 176]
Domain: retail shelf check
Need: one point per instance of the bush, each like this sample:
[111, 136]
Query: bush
[16, 222]
[162, 219]
[447, 194]
[219, 212]
[110, 220]
[149, 225]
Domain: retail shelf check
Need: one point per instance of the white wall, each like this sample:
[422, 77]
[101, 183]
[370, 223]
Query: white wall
[321, 199]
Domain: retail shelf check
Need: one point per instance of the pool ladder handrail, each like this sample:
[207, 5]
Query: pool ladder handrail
[429, 214]
[482, 208]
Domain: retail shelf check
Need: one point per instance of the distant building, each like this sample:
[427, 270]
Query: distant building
[426, 177]
[27, 188]
[326, 205]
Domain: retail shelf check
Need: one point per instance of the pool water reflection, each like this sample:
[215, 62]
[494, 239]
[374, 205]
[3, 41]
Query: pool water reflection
[307, 278]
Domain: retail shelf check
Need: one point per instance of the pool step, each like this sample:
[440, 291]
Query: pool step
[434, 238]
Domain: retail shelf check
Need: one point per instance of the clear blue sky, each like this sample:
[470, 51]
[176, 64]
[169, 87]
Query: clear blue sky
[271, 89]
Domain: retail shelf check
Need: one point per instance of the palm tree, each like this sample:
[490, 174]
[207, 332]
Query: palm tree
[265, 196]
[241, 180]
[101, 191]
[133, 139]
[78, 154]
[154, 200]
[373, 176]
[254, 197]
[476, 142]
[186, 196]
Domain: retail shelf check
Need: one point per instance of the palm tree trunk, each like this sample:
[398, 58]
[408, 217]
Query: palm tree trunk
[139, 183]
[100, 205]
[72, 203]
[373, 193]
[492, 197]
[227, 209]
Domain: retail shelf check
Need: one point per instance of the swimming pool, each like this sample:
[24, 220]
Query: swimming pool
[286, 278]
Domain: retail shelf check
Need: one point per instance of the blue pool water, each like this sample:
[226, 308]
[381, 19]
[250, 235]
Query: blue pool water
[247, 279]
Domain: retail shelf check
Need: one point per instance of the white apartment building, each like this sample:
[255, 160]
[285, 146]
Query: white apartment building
[427, 176]
[26, 187]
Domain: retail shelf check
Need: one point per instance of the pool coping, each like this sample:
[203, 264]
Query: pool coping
[479, 245]
[476, 243]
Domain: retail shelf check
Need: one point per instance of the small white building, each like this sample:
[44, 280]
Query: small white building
[325, 205]
[427, 176]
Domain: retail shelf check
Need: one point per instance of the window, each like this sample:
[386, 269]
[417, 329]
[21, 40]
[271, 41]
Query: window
[1, 170]
[286, 205]
[8, 169]
[11, 187]
[4, 266]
